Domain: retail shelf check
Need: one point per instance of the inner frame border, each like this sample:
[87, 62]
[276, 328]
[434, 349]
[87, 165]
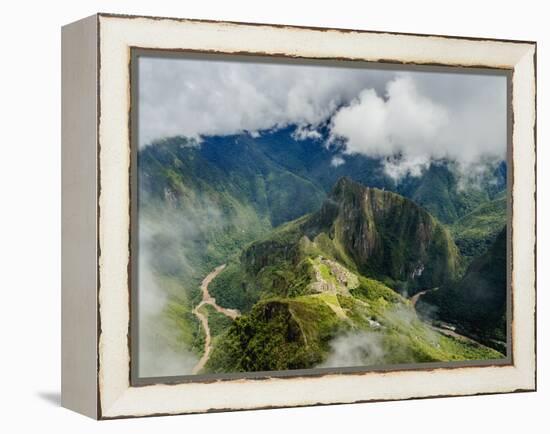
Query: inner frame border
[252, 57]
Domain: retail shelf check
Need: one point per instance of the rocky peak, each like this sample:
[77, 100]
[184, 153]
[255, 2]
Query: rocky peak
[388, 234]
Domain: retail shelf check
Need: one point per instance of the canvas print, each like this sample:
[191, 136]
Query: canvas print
[294, 215]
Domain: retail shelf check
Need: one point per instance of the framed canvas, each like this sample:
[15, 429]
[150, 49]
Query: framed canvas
[262, 216]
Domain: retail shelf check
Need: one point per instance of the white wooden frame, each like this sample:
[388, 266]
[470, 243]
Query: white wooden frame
[96, 215]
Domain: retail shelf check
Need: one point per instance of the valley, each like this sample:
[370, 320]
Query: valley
[319, 258]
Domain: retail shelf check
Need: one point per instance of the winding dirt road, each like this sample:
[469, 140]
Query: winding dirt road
[208, 299]
[414, 299]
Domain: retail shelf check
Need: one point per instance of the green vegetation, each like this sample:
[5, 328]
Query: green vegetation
[314, 263]
[217, 322]
[386, 237]
[475, 232]
[278, 334]
[230, 289]
[476, 303]
[297, 333]
[373, 290]
[442, 192]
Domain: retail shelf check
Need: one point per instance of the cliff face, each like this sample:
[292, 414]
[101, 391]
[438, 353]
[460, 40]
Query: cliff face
[387, 235]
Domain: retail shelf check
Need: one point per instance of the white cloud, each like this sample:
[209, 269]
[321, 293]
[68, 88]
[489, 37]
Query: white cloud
[411, 127]
[158, 353]
[302, 133]
[193, 97]
[337, 161]
[411, 118]
[398, 166]
[405, 122]
[355, 349]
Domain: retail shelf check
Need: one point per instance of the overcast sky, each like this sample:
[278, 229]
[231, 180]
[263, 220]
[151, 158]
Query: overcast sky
[418, 115]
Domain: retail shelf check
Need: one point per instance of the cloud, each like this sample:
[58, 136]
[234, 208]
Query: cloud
[425, 117]
[303, 133]
[405, 122]
[408, 118]
[158, 354]
[337, 161]
[355, 349]
[398, 166]
[171, 239]
[193, 97]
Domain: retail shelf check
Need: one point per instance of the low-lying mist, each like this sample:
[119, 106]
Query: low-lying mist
[355, 349]
[159, 354]
[171, 242]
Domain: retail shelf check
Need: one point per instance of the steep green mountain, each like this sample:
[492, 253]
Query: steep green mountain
[375, 233]
[234, 166]
[387, 236]
[315, 283]
[476, 304]
[443, 192]
[438, 191]
[475, 232]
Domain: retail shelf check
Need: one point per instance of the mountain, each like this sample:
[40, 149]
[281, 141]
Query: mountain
[263, 168]
[438, 191]
[314, 284]
[475, 232]
[232, 165]
[272, 207]
[440, 188]
[372, 232]
[387, 236]
[476, 304]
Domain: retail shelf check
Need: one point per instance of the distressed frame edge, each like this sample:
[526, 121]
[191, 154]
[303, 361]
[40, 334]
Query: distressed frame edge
[305, 27]
[529, 387]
